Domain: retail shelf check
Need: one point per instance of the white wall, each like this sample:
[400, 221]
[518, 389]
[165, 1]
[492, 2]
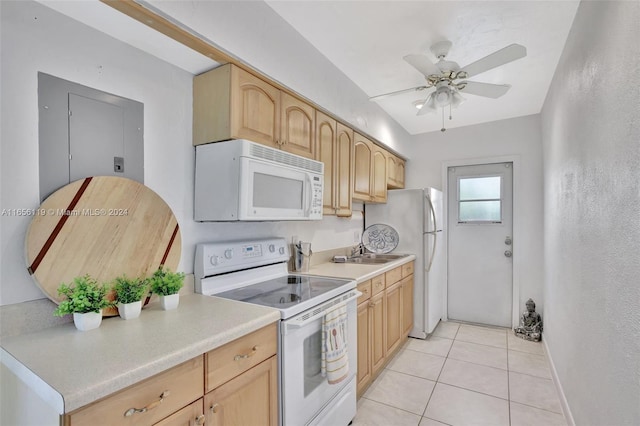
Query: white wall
[35, 38]
[516, 137]
[253, 32]
[591, 140]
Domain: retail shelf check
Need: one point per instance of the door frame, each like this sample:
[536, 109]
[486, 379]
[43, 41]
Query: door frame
[516, 214]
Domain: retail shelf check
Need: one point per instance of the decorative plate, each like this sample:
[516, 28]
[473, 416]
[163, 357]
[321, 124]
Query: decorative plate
[380, 238]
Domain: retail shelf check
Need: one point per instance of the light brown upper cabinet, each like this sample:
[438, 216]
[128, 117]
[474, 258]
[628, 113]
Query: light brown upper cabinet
[297, 119]
[363, 154]
[334, 144]
[230, 103]
[395, 172]
[370, 171]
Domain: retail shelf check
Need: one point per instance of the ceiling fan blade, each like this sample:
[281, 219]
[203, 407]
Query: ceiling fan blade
[422, 64]
[485, 89]
[399, 92]
[500, 57]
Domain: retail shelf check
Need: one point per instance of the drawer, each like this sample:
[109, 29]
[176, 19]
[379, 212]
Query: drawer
[234, 358]
[180, 385]
[365, 289]
[407, 269]
[393, 276]
[377, 284]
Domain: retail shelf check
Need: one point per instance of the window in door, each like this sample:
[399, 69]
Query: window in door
[480, 199]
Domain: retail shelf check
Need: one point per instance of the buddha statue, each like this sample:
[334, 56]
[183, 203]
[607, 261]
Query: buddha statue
[530, 327]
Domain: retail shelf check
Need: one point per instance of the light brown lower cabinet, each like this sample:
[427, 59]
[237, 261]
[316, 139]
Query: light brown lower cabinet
[239, 378]
[249, 399]
[191, 415]
[385, 318]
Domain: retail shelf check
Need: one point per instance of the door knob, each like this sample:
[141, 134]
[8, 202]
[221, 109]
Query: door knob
[508, 241]
[507, 253]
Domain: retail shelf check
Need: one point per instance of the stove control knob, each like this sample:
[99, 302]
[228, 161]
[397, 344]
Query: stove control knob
[214, 260]
[281, 250]
[272, 248]
[228, 253]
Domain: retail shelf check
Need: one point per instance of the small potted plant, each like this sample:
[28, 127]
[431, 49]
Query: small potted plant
[166, 285]
[129, 292]
[85, 299]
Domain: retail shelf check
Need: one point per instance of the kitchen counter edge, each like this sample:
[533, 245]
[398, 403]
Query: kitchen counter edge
[54, 362]
[357, 271]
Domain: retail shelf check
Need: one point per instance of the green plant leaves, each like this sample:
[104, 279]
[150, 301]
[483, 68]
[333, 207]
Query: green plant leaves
[164, 282]
[83, 295]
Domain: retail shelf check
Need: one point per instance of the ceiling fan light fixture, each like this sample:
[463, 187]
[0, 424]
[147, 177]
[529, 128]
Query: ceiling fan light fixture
[442, 96]
[456, 99]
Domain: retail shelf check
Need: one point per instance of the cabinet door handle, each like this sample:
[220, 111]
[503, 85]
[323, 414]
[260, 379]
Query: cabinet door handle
[245, 356]
[131, 411]
[215, 408]
[200, 420]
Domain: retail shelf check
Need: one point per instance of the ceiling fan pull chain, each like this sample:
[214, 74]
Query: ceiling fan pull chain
[443, 129]
[449, 111]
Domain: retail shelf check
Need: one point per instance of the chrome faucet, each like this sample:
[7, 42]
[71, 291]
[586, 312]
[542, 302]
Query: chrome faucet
[357, 250]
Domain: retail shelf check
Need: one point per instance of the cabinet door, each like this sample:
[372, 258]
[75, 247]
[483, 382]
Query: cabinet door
[363, 157]
[400, 169]
[191, 415]
[344, 170]
[379, 175]
[326, 152]
[255, 107]
[393, 317]
[392, 170]
[406, 290]
[297, 126]
[377, 336]
[364, 348]
[249, 399]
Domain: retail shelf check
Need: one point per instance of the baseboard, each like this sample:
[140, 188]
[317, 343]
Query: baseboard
[556, 382]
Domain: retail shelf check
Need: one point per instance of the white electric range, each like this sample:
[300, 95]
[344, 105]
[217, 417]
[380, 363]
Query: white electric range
[255, 271]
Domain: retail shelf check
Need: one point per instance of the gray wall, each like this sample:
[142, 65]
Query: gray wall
[591, 144]
[516, 137]
[35, 38]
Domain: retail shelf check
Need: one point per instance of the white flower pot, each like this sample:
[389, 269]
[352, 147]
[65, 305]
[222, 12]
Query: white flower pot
[87, 321]
[130, 310]
[169, 302]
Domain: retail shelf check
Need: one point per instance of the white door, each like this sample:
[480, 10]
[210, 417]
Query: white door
[480, 266]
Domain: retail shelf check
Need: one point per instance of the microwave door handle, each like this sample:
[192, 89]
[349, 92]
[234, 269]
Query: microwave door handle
[308, 196]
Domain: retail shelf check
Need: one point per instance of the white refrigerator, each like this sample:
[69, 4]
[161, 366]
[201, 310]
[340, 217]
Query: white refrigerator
[417, 214]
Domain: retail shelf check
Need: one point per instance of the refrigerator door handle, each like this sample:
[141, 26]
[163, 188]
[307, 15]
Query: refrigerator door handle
[432, 251]
[432, 212]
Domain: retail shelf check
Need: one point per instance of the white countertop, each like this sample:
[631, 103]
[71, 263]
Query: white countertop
[73, 368]
[357, 271]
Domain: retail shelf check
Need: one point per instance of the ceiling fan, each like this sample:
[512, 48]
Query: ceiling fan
[446, 80]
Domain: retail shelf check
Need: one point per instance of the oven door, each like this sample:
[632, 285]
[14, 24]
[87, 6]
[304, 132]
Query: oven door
[304, 391]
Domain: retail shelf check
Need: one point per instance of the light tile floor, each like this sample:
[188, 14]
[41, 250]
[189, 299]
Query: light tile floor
[464, 375]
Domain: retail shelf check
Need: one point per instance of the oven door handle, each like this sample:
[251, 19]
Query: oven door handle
[306, 318]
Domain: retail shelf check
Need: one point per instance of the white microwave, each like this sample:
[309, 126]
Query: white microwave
[240, 180]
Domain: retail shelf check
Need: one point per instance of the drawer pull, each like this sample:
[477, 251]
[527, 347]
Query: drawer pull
[214, 408]
[131, 411]
[200, 420]
[245, 356]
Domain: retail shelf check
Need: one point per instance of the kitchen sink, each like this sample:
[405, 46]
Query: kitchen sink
[374, 258]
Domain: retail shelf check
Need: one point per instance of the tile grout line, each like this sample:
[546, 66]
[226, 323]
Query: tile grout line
[392, 406]
[508, 383]
[437, 378]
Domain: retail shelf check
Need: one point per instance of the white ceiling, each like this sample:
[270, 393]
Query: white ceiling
[367, 40]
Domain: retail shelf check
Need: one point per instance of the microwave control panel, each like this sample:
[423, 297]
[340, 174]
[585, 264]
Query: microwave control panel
[316, 198]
